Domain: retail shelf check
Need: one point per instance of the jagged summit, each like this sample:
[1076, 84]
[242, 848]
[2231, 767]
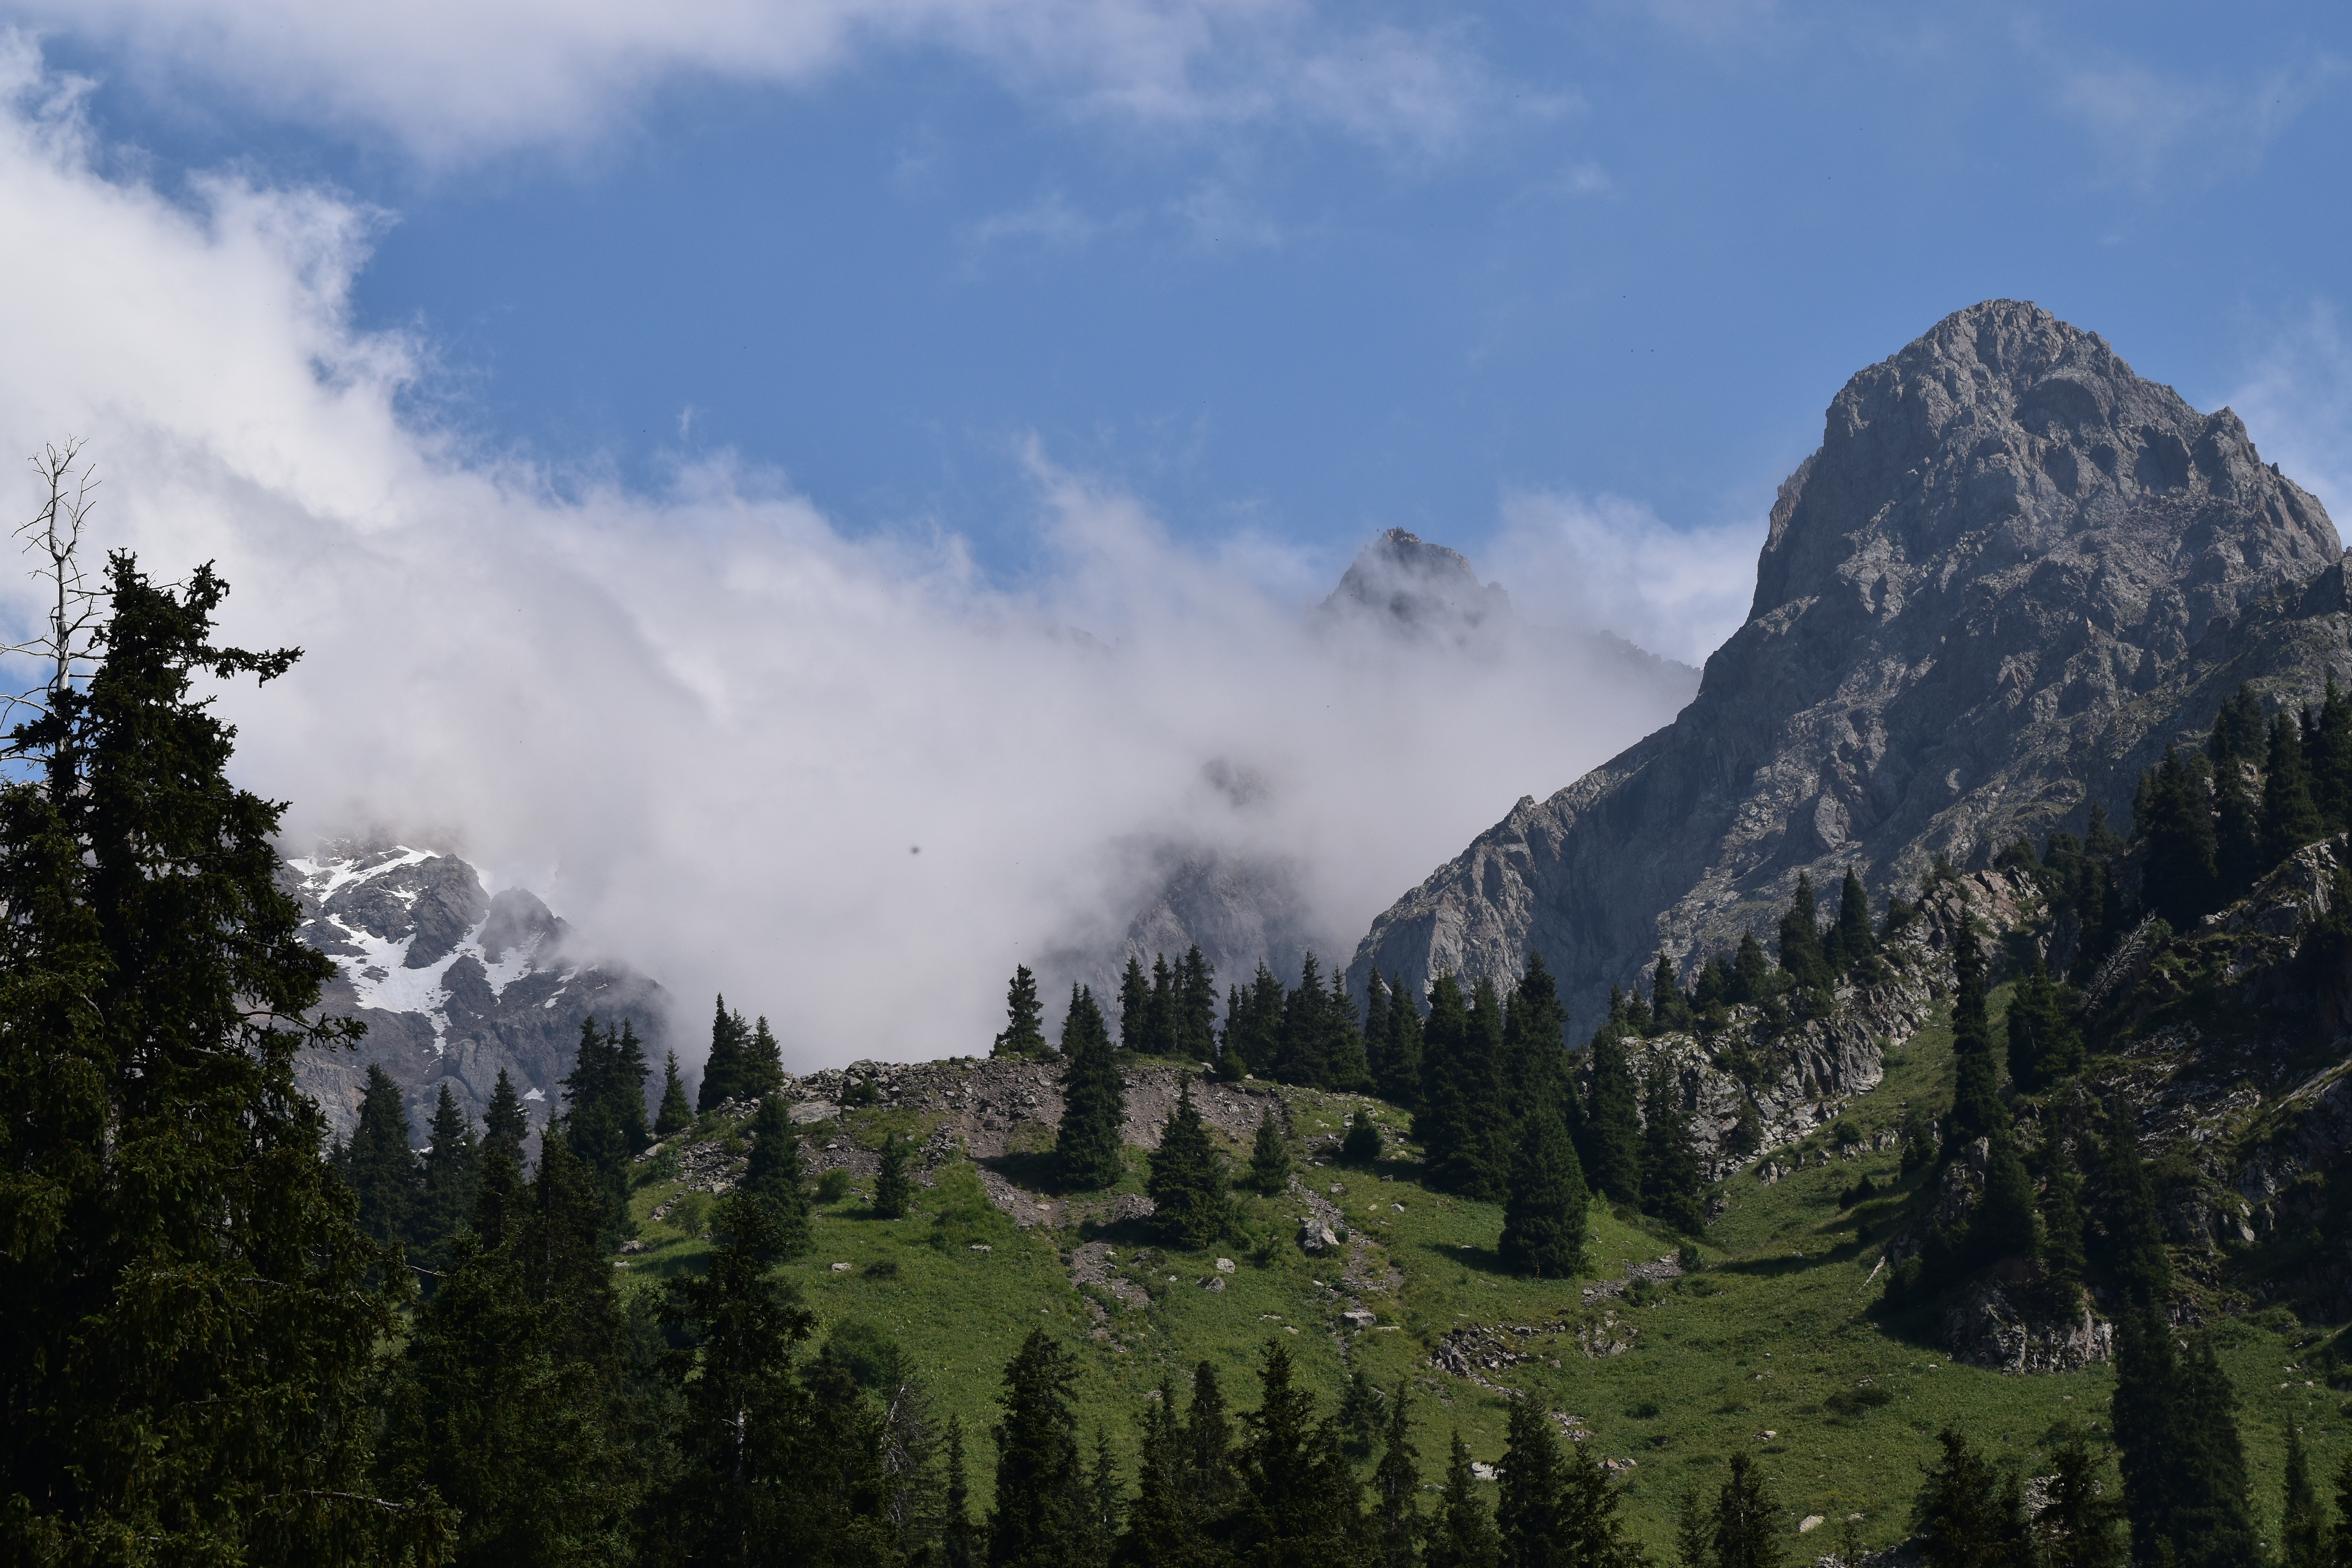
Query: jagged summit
[2005, 539]
[1417, 587]
[453, 983]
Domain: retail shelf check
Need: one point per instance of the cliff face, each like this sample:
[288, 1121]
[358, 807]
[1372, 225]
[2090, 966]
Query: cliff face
[1973, 615]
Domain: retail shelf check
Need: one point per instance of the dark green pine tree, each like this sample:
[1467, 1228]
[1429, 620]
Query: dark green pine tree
[764, 1061]
[1672, 1185]
[1462, 1533]
[1191, 1199]
[1750, 979]
[1746, 1530]
[2303, 1518]
[1303, 1055]
[381, 1167]
[192, 1331]
[1352, 1066]
[2239, 730]
[1269, 1165]
[2076, 1526]
[1401, 1056]
[602, 1100]
[2184, 1469]
[1612, 1129]
[1977, 1107]
[2003, 1226]
[1161, 1529]
[1969, 1514]
[1378, 998]
[2137, 1259]
[773, 1179]
[2063, 1258]
[961, 1543]
[1025, 1018]
[1535, 1048]
[1159, 1011]
[2045, 1041]
[1134, 1003]
[2290, 818]
[2237, 833]
[1450, 1093]
[451, 1164]
[1545, 1214]
[1484, 1156]
[1361, 1147]
[1667, 1004]
[2180, 880]
[1093, 1100]
[1299, 1500]
[1196, 1007]
[1042, 1504]
[893, 1192]
[1253, 1037]
[508, 1121]
[1856, 944]
[1802, 957]
[722, 1069]
[2331, 760]
[1396, 1488]
[1531, 1499]
[1209, 1448]
[676, 1113]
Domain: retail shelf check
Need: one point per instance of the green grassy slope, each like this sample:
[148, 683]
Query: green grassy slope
[1776, 1332]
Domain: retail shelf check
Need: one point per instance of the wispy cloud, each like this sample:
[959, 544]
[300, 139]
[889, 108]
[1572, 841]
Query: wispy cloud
[2154, 128]
[1605, 561]
[706, 724]
[2295, 396]
[1049, 223]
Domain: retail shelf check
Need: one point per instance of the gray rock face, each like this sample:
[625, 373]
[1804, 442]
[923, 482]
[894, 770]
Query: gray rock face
[2006, 542]
[454, 985]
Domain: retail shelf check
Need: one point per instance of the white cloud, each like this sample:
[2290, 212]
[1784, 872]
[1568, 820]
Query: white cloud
[2155, 129]
[457, 81]
[1608, 561]
[707, 726]
[2296, 401]
[1049, 223]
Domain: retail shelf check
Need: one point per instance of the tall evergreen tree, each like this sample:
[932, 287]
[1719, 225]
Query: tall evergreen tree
[1378, 998]
[1134, 1005]
[764, 1061]
[1747, 1521]
[2062, 1253]
[1535, 1047]
[1672, 1185]
[1977, 1107]
[893, 1192]
[959, 1538]
[451, 1164]
[1192, 1202]
[1613, 1127]
[1750, 980]
[1456, 1085]
[381, 1167]
[1396, 1488]
[2076, 1526]
[2141, 1267]
[1196, 1007]
[1159, 1010]
[1968, 1516]
[724, 1074]
[507, 1121]
[2290, 818]
[2003, 1226]
[2184, 1469]
[1400, 1054]
[1094, 1100]
[2237, 832]
[1856, 944]
[191, 1329]
[2303, 1518]
[2239, 732]
[772, 1177]
[1269, 1165]
[1557, 1506]
[1801, 954]
[2331, 760]
[2045, 1042]
[1462, 1533]
[1299, 1500]
[2180, 880]
[1253, 1037]
[1209, 1446]
[1025, 1018]
[1041, 1504]
[1351, 1068]
[676, 1113]
[1543, 1217]
[604, 1114]
[1304, 1055]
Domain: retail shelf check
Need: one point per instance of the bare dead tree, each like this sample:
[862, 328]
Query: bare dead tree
[67, 646]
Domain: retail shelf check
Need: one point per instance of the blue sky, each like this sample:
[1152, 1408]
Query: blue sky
[1603, 249]
[710, 450]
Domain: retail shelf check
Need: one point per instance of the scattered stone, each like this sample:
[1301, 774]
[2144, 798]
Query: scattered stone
[1225, 1266]
[981, 1246]
[1810, 1522]
[1214, 1283]
[841, 1269]
[1482, 1470]
[1316, 1237]
[1359, 1318]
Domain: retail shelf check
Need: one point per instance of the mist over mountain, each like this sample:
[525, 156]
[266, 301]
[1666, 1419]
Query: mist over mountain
[1966, 615]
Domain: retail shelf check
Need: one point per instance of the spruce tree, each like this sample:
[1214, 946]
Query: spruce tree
[191, 1331]
[2290, 818]
[1025, 1018]
[1093, 1100]
[893, 1192]
[2331, 761]
[1531, 1499]
[1161, 1529]
[1304, 1055]
[2180, 880]
[1401, 1055]
[1134, 1003]
[1269, 1165]
[1668, 1002]
[1613, 1127]
[2142, 1270]
[723, 1069]
[1977, 1107]
[2003, 1226]
[676, 1113]
[1361, 1147]
[1396, 1487]
[1253, 1037]
[1856, 944]
[1449, 1090]
[1299, 1500]
[1967, 1517]
[2076, 1526]
[1535, 1047]
[1462, 1533]
[381, 1167]
[960, 1544]
[1750, 981]
[1747, 1522]
[1672, 1183]
[1801, 955]
[1543, 1217]
[2063, 1255]
[450, 1166]
[1209, 1446]
[1159, 1011]
[764, 1061]
[773, 1179]
[1192, 1202]
[2184, 1469]
[2237, 833]
[1042, 1504]
[1196, 1007]
[2045, 1042]
[1351, 1068]
[1377, 1001]
[507, 1121]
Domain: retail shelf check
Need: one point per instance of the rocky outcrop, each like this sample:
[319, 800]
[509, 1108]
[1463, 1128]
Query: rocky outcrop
[453, 983]
[2007, 543]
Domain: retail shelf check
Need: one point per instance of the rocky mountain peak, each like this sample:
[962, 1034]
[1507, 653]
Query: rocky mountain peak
[2006, 538]
[1416, 587]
